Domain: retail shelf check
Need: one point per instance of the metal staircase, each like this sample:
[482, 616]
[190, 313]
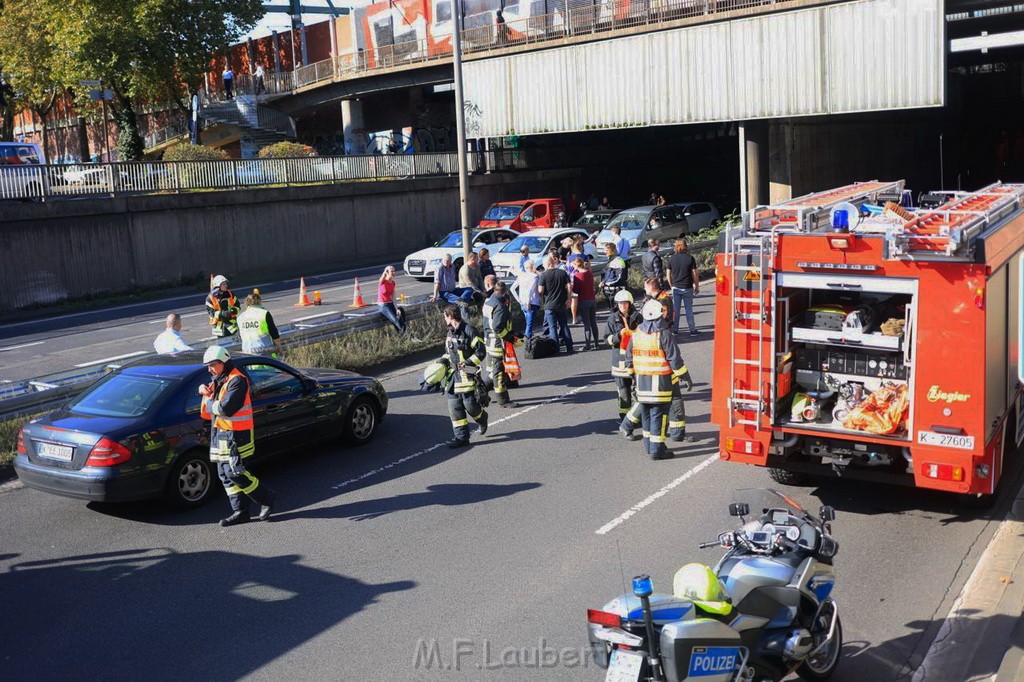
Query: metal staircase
[266, 126]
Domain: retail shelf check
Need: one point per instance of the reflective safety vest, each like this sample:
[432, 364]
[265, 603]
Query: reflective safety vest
[255, 333]
[653, 372]
[619, 368]
[214, 306]
[235, 430]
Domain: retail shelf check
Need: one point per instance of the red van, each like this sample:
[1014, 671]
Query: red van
[523, 215]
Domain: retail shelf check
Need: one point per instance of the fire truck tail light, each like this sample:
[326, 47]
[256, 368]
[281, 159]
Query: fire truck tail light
[720, 284]
[979, 298]
[942, 472]
[743, 446]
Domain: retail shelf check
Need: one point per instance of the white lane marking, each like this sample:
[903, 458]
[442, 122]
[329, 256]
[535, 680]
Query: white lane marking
[116, 357]
[23, 345]
[435, 446]
[313, 317]
[622, 518]
[164, 319]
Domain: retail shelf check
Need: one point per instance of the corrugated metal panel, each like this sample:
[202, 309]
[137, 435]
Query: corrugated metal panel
[856, 56]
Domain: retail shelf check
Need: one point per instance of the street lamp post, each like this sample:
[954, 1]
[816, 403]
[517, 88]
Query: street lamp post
[460, 131]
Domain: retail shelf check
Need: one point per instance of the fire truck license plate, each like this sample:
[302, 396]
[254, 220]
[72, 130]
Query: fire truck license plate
[945, 440]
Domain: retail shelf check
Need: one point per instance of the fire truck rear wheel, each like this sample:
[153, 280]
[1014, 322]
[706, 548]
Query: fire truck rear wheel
[788, 477]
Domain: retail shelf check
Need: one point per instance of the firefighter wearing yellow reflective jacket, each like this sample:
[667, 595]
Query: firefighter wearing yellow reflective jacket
[227, 403]
[655, 360]
[622, 320]
[222, 307]
[465, 352]
[257, 329]
[498, 330]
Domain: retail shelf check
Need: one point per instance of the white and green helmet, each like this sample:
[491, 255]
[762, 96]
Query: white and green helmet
[435, 372]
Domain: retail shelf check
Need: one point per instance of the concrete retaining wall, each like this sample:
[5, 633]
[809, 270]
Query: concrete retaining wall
[70, 249]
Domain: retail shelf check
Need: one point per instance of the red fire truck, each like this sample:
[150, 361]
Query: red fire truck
[860, 337]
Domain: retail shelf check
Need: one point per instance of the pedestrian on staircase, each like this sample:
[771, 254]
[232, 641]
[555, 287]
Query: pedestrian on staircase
[229, 82]
[259, 74]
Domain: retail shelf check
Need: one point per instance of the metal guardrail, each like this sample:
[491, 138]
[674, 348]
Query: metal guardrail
[42, 182]
[47, 392]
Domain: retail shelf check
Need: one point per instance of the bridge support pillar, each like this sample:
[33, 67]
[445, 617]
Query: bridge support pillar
[780, 154]
[353, 127]
[753, 140]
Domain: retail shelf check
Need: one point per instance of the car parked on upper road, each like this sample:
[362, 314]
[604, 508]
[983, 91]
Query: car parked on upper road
[137, 432]
[424, 262]
[594, 220]
[506, 261]
[21, 174]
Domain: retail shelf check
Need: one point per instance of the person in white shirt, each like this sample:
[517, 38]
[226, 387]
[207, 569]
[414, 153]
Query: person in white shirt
[260, 88]
[525, 290]
[171, 341]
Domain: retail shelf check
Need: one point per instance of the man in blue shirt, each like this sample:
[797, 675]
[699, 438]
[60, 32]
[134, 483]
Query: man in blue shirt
[444, 284]
[621, 243]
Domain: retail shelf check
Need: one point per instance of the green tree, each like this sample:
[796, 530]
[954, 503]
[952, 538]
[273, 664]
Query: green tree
[143, 50]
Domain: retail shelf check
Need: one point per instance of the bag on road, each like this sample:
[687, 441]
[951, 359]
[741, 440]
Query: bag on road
[538, 347]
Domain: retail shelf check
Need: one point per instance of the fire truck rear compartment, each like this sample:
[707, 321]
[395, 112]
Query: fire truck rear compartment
[841, 342]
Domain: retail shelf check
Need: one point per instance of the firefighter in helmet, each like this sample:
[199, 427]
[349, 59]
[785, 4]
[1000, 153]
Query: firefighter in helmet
[655, 360]
[223, 308]
[465, 352]
[622, 320]
[227, 402]
[498, 330]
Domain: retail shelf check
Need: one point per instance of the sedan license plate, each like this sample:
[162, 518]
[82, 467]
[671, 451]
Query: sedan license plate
[53, 451]
[945, 440]
[625, 666]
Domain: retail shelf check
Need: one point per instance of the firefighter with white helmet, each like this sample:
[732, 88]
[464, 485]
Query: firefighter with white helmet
[622, 320]
[655, 360]
[222, 307]
[227, 403]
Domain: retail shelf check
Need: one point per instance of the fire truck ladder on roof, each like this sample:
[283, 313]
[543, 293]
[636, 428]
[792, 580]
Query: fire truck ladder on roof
[749, 263]
[947, 233]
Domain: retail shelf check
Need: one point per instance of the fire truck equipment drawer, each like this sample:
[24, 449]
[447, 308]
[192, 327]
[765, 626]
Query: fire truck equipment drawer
[847, 338]
[848, 283]
[841, 361]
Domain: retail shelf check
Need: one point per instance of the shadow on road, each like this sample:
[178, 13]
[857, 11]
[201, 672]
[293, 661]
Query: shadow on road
[443, 495]
[158, 614]
[898, 659]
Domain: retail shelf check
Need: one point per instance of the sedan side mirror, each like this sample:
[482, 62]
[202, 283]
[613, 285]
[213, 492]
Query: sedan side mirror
[827, 513]
[739, 509]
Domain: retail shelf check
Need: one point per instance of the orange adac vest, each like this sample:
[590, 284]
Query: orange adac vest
[241, 420]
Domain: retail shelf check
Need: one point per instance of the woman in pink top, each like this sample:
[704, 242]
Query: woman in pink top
[386, 299]
[583, 286]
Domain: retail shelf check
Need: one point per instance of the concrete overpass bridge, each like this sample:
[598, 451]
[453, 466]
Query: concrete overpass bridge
[761, 68]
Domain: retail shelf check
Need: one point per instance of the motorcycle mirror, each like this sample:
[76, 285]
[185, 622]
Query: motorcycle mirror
[827, 513]
[739, 509]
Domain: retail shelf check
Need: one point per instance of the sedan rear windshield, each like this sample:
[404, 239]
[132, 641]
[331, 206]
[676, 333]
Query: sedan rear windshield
[503, 212]
[535, 244]
[121, 395]
[629, 220]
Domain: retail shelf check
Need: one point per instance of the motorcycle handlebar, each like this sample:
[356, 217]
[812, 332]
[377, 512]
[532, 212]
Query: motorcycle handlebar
[705, 545]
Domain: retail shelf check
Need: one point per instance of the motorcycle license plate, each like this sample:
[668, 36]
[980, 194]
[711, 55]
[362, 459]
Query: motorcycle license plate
[624, 666]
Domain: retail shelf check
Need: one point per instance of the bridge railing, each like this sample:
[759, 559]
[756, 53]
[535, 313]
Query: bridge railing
[44, 182]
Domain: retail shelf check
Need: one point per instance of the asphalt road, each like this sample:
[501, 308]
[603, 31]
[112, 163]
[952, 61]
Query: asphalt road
[33, 348]
[386, 562]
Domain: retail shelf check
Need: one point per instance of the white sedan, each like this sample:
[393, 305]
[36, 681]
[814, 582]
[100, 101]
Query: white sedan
[506, 261]
[424, 262]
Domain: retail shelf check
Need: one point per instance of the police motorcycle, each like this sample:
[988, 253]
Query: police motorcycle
[763, 612]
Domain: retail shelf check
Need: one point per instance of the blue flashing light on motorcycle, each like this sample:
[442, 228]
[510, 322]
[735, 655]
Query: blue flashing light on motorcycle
[642, 585]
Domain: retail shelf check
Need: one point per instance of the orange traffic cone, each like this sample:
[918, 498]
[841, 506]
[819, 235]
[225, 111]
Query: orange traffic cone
[211, 281]
[357, 297]
[303, 296]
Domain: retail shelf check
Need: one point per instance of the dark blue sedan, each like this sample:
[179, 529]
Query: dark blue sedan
[137, 434]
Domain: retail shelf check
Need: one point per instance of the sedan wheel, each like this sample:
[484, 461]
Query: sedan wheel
[361, 421]
[189, 482]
